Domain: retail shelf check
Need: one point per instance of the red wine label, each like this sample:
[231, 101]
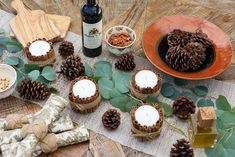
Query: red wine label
[92, 35]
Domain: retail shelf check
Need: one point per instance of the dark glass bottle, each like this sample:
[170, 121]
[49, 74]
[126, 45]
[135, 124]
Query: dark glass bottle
[91, 15]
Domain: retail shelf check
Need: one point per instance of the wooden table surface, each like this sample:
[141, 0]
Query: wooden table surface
[136, 14]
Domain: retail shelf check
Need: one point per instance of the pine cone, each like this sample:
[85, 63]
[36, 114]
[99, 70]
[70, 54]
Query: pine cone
[126, 63]
[178, 58]
[202, 38]
[197, 53]
[178, 38]
[111, 119]
[29, 89]
[72, 67]
[66, 49]
[183, 106]
[181, 148]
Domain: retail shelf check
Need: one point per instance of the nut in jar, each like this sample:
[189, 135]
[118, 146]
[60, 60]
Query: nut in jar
[4, 83]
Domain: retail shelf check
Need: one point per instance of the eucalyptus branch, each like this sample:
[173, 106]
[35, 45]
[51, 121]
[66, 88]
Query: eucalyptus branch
[176, 128]
[135, 98]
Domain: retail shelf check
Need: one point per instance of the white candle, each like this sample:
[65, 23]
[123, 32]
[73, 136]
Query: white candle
[84, 88]
[39, 48]
[147, 115]
[146, 78]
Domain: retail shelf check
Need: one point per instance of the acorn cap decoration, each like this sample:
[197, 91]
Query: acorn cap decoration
[111, 119]
[202, 38]
[178, 38]
[183, 106]
[126, 63]
[29, 89]
[72, 67]
[181, 148]
[66, 49]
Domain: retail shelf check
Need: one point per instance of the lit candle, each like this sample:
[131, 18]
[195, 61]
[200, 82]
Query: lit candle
[84, 88]
[147, 115]
[146, 78]
[39, 48]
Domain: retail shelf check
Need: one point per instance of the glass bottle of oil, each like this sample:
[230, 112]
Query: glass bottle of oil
[202, 128]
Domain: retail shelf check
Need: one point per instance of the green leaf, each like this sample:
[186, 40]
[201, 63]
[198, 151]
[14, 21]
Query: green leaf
[31, 67]
[222, 103]
[106, 86]
[168, 111]
[20, 75]
[13, 46]
[167, 90]
[120, 102]
[103, 69]
[205, 102]
[130, 104]
[1, 51]
[12, 60]
[34, 75]
[43, 80]
[121, 81]
[88, 70]
[115, 93]
[225, 146]
[2, 31]
[180, 82]
[3, 41]
[228, 119]
[200, 90]
[48, 73]
[189, 94]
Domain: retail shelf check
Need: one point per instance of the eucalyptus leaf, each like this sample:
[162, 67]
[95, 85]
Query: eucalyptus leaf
[1, 51]
[42, 79]
[205, 102]
[103, 69]
[31, 67]
[168, 111]
[33, 75]
[21, 65]
[120, 102]
[115, 93]
[130, 104]
[180, 82]
[2, 31]
[189, 94]
[228, 119]
[225, 146]
[12, 60]
[48, 73]
[222, 103]
[167, 90]
[121, 81]
[88, 70]
[20, 75]
[4, 40]
[200, 90]
[106, 86]
[13, 46]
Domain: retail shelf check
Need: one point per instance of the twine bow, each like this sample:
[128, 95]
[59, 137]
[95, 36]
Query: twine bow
[48, 142]
[14, 121]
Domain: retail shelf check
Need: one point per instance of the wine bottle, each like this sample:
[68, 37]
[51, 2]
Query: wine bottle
[91, 14]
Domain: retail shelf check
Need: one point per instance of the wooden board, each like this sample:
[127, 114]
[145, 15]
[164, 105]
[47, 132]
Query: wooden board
[31, 25]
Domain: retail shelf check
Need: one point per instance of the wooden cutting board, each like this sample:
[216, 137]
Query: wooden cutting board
[31, 25]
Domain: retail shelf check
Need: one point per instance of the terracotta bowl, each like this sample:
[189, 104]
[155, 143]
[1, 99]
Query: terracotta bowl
[155, 33]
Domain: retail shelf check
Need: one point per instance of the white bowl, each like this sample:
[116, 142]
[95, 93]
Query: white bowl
[118, 50]
[8, 72]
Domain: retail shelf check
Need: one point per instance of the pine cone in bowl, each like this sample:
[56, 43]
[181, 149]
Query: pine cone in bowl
[178, 38]
[202, 38]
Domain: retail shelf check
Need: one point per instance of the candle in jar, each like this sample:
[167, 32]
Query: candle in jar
[147, 115]
[39, 48]
[146, 78]
[84, 88]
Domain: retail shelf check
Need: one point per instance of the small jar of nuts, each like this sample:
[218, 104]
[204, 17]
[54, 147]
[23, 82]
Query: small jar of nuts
[119, 39]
